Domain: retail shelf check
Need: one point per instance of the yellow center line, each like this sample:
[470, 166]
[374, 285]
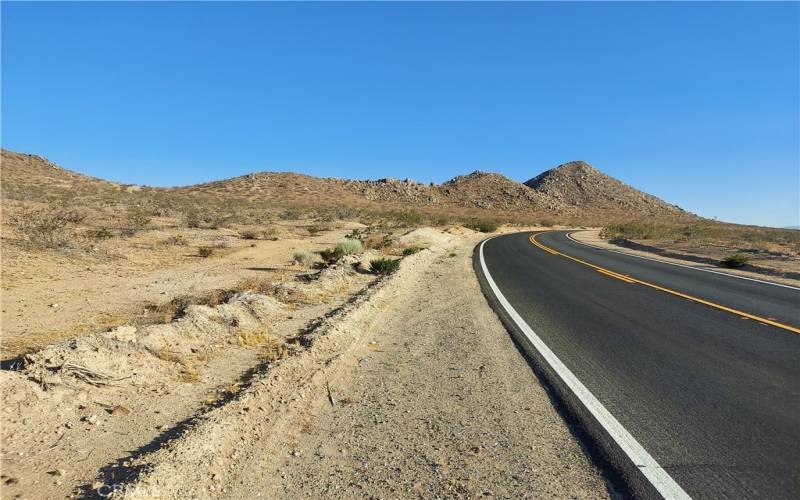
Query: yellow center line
[629, 279]
[617, 276]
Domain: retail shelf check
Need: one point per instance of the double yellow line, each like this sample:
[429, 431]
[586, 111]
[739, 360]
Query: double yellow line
[628, 279]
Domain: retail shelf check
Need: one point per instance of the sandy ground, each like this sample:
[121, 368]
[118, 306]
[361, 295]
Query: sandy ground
[592, 237]
[48, 296]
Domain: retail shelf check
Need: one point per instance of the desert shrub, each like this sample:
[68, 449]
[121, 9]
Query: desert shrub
[547, 223]
[99, 234]
[270, 233]
[384, 266]
[291, 214]
[409, 218]
[205, 251]
[176, 240]
[411, 250]
[218, 220]
[348, 246]
[356, 234]
[192, 219]
[303, 258]
[378, 242]
[48, 227]
[346, 213]
[483, 225]
[249, 234]
[328, 255]
[136, 219]
[735, 260]
[315, 229]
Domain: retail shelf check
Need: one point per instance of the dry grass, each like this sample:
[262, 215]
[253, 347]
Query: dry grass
[712, 233]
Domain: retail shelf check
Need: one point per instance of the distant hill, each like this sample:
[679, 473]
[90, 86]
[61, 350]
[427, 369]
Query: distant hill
[574, 190]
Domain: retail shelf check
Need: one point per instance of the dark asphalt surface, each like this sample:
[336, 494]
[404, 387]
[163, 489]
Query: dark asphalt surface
[714, 398]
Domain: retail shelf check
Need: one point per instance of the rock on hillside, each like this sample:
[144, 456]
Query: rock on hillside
[577, 187]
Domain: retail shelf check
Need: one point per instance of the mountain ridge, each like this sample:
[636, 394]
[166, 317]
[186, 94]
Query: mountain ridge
[573, 189]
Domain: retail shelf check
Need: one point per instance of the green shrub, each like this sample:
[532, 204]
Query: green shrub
[411, 250]
[735, 260]
[483, 225]
[384, 266]
[348, 246]
[303, 258]
[205, 251]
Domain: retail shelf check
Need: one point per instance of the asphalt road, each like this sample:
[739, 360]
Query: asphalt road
[714, 398]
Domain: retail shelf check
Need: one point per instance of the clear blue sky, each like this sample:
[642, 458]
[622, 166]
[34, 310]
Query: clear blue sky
[694, 102]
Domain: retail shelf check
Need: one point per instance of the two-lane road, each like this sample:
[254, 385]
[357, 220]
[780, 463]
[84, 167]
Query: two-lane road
[701, 369]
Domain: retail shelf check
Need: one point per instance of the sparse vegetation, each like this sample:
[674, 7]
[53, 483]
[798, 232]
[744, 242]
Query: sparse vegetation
[735, 260]
[411, 250]
[348, 246]
[384, 266]
[483, 225]
[137, 218]
[49, 227]
[99, 234]
[176, 240]
[706, 232]
[205, 251]
[303, 258]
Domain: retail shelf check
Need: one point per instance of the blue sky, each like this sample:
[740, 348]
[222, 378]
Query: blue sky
[694, 102]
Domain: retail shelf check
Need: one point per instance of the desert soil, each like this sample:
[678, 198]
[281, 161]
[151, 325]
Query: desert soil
[592, 237]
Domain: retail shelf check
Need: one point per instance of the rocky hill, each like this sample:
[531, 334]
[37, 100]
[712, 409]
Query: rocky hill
[575, 190]
[576, 186]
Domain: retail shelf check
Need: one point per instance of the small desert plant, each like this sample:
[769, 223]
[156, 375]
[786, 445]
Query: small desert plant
[192, 219]
[735, 260]
[136, 219]
[205, 251]
[411, 250]
[483, 225]
[303, 258]
[99, 234]
[249, 234]
[328, 255]
[547, 223]
[270, 233]
[315, 229]
[356, 234]
[378, 242]
[348, 246]
[176, 240]
[384, 266]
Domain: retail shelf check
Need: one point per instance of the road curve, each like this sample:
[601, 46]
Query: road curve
[713, 396]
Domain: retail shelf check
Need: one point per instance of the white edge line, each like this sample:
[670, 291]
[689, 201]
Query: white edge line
[658, 477]
[569, 235]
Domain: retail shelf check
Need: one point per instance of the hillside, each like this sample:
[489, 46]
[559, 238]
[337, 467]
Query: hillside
[577, 186]
[574, 191]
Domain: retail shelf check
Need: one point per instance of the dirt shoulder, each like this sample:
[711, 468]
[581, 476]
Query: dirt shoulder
[436, 401]
[592, 237]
